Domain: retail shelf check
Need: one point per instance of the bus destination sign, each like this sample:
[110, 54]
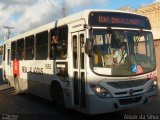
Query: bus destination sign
[126, 20]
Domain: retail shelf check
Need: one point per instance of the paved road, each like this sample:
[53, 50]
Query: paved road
[28, 107]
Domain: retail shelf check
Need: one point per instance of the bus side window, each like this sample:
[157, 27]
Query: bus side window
[58, 43]
[4, 52]
[29, 47]
[13, 50]
[20, 49]
[42, 46]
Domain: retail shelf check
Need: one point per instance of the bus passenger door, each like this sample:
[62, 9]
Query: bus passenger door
[78, 70]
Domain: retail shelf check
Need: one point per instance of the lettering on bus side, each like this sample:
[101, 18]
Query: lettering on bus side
[48, 66]
[34, 70]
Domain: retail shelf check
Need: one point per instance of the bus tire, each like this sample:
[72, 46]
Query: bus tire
[57, 94]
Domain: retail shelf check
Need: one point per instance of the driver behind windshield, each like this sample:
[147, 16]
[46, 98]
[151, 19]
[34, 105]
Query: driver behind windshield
[120, 55]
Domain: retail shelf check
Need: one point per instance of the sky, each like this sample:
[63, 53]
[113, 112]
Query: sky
[24, 15]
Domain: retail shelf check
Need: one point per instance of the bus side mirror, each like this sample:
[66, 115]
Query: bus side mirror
[88, 46]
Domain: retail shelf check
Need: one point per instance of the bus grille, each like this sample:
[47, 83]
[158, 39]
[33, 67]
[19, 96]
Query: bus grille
[127, 84]
[130, 100]
[126, 92]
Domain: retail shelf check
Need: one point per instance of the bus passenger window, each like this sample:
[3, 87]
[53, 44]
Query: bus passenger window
[54, 44]
[13, 50]
[29, 47]
[58, 47]
[42, 46]
[4, 52]
[20, 49]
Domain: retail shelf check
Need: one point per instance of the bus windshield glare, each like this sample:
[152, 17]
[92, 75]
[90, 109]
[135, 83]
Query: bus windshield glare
[122, 52]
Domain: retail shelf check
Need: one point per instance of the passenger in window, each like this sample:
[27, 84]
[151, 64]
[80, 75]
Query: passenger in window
[64, 51]
[55, 39]
[59, 48]
[54, 42]
[120, 55]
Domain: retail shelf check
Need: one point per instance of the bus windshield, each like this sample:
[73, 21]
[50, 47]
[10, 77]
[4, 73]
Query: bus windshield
[122, 52]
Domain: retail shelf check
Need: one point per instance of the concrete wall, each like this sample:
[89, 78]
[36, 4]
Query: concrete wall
[157, 50]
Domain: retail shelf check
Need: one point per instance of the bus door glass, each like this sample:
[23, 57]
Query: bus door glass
[78, 69]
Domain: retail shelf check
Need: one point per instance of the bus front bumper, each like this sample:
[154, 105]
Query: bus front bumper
[98, 105]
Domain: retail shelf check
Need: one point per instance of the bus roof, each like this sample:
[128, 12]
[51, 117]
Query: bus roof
[66, 20]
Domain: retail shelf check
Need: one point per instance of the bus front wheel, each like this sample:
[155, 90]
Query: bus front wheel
[57, 94]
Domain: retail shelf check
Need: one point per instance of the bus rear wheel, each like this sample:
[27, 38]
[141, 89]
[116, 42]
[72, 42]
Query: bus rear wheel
[16, 84]
[57, 94]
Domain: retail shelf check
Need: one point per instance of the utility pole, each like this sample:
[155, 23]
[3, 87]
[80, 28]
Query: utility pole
[8, 30]
[64, 12]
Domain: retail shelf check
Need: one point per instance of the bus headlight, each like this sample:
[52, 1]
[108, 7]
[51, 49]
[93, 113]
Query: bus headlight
[100, 91]
[153, 86]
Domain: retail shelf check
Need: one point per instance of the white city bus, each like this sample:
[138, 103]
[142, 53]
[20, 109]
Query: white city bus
[78, 71]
